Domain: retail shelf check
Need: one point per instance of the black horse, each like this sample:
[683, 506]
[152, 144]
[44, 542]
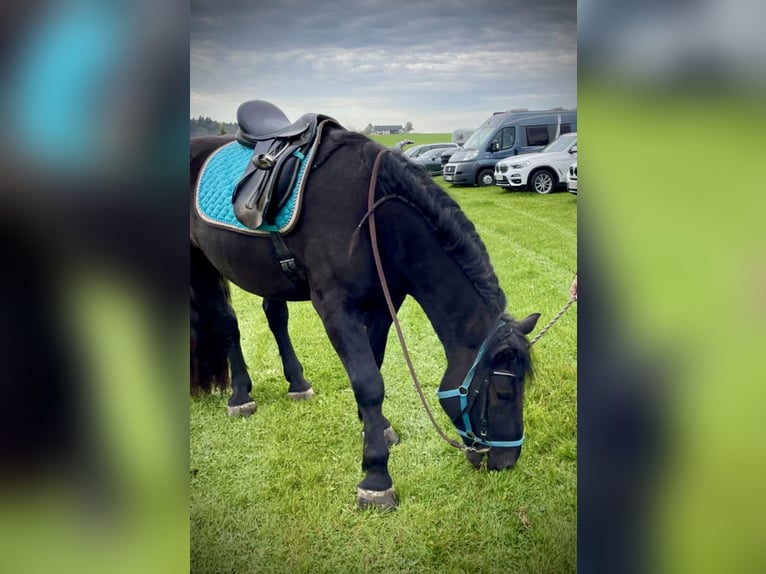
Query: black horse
[429, 250]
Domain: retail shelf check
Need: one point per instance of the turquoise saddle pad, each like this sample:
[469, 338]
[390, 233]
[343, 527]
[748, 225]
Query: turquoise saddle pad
[215, 186]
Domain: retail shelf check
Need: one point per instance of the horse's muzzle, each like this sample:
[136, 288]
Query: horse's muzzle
[502, 458]
[497, 458]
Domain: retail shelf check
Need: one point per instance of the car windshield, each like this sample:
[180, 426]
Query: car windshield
[424, 149]
[561, 144]
[433, 152]
[413, 151]
[479, 138]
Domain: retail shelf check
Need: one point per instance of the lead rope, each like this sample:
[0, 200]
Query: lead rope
[552, 322]
[392, 310]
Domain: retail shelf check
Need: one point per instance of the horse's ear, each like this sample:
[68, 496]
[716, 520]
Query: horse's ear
[528, 323]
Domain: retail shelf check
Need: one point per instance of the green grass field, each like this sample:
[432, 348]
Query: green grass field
[391, 139]
[276, 492]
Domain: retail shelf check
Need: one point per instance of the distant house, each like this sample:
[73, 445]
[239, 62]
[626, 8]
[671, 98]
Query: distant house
[380, 130]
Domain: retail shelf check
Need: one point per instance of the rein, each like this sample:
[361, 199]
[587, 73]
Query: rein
[392, 310]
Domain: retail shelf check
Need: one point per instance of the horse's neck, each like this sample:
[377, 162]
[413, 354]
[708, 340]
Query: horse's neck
[461, 316]
[462, 320]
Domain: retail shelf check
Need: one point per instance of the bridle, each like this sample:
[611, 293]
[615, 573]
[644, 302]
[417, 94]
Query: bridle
[480, 443]
[468, 397]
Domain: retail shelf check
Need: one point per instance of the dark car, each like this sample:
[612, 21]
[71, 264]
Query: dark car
[431, 160]
[446, 154]
[417, 150]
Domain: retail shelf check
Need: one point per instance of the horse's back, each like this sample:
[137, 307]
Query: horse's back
[201, 147]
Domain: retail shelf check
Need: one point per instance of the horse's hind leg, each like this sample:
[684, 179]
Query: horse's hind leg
[277, 315]
[211, 295]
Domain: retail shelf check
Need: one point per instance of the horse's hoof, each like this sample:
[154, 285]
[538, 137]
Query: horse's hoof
[391, 437]
[242, 410]
[383, 500]
[302, 395]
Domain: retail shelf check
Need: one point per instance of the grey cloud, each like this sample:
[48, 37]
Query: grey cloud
[412, 57]
[346, 24]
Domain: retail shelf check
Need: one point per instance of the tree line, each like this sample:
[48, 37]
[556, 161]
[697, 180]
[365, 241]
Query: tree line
[205, 126]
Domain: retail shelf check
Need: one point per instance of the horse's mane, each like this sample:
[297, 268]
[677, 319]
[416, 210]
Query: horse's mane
[454, 231]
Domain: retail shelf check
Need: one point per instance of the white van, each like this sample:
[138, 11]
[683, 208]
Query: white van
[503, 135]
[541, 171]
[461, 136]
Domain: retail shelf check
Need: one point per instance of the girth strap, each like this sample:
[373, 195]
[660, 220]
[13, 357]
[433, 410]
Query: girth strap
[286, 259]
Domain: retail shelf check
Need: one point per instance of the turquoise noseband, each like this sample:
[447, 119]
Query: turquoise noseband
[464, 390]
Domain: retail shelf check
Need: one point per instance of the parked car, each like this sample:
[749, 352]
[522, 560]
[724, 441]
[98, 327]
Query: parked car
[416, 150]
[447, 154]
[541, 171]
[432, 160]
[572, 178]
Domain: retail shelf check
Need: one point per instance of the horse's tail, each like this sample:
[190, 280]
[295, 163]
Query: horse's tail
[209, 366]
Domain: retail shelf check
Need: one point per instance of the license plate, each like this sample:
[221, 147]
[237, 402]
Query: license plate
[447, 177]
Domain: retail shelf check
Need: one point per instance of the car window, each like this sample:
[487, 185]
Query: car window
[562, 143]
[479, 138]
[507, 137]
[537, 135]
[429, 147]
[414, 151]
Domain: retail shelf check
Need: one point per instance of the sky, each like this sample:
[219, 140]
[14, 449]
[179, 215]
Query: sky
[440, 64]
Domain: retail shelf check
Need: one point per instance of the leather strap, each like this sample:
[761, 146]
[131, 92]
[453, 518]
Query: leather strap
[287, 261]
[390, 304]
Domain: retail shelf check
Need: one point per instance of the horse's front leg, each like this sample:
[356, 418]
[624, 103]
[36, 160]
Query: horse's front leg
[378, 325]
[348, 335]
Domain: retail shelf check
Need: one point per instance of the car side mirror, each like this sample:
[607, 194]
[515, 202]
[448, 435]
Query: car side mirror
[494, 146]
[573, 150]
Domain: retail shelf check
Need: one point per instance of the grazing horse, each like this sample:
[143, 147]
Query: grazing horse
[428, 249]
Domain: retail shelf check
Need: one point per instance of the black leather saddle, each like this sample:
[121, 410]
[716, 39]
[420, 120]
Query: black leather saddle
[278, 150]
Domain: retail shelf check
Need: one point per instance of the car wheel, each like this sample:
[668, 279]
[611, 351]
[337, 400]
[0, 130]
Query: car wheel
[542, 181]
[485, 178]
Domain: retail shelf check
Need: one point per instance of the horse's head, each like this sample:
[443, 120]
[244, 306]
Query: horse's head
[491, 402]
